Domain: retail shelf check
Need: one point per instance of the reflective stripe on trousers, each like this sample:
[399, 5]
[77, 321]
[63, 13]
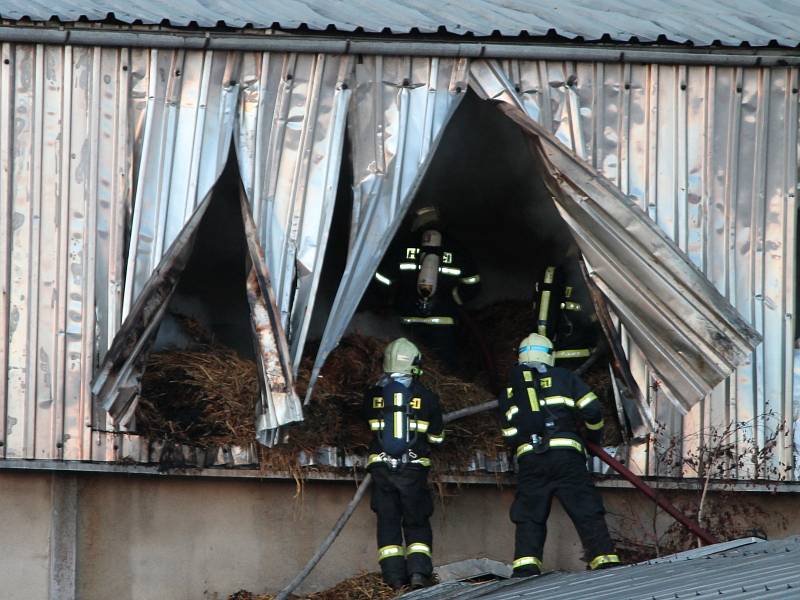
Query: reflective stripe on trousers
[554, 443]
[604, 559]
[389, 551]
[418, 547]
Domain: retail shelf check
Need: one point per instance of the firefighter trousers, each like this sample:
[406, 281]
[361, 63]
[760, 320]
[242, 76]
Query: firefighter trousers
[403, 504]
[560, 473]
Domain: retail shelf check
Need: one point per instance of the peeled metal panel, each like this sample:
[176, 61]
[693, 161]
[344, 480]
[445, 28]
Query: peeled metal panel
[702, 150]
[117, 383]
[278, 403]
[65, 159]
[400, 109]
[188, 123]
[688, 332]
[289, 140]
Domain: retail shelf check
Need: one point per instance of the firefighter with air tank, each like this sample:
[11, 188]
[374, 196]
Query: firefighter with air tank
[406, 420]
[564, 311]
[541, 410]
[430, 277]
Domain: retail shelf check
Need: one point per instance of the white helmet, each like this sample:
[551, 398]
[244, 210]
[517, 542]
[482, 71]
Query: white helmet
[536, 348]
[401, 356]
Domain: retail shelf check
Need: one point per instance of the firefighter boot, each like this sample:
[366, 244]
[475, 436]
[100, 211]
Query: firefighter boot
[418, 580]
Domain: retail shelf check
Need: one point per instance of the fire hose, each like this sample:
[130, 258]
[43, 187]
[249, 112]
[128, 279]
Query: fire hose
[640, 485]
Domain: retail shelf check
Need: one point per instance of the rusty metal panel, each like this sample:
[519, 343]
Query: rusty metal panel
[289, 141]
[710, 155]
[279, 403]
[398, 113]
[65, 160]
[702, 23]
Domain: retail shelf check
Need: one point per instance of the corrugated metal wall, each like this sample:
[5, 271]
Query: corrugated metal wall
[400, 109]
[710, 154]
[67, 117]
[105, 156]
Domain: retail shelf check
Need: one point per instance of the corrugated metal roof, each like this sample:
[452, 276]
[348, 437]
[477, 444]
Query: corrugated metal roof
[730, 22]
[761, 570]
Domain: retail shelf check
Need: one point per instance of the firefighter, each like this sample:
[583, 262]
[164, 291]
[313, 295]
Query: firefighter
[406, 419]
[430, 277]
[565, 313]
[541, 409]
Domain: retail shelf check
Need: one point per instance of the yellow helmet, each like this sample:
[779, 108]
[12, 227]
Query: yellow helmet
[536, 348]
[401, 356]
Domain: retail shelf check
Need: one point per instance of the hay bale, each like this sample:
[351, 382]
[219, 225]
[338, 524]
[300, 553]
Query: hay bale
[206, 396]
[503, 325]
[203, 397]
[334, 416]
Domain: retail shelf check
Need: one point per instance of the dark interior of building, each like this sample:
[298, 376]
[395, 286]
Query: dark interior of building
[212, 288]
[492, 201]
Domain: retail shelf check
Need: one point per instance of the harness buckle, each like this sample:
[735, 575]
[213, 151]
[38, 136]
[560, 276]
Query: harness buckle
[539, 443]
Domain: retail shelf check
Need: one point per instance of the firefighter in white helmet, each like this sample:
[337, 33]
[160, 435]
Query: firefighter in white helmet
[429, 276]
[406, 419]
[541, 409]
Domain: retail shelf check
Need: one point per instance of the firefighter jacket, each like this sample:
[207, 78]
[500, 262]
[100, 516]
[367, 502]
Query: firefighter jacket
[458, 281]
[565, 313]
[541, 411]
[405, 421]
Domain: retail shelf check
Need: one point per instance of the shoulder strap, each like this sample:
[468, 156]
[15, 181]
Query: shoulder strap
[396, 436]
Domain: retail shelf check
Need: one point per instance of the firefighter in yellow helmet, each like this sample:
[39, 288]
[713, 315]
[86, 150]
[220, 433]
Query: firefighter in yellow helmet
[541, 410]
[406, 421]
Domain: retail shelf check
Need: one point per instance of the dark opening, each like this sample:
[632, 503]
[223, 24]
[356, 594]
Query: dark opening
[484, 180]
[211, 292]
[494, 202]
[200, 383]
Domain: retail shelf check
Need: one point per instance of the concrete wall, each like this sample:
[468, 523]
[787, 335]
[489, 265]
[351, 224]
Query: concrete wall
[25, 506]
[190, 539]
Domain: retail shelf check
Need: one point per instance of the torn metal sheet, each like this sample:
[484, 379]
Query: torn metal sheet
[184, 143]
[688, 331]
[117, 383]
[289, 139]
[279, 404]
[709, 154]
[399, 111]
